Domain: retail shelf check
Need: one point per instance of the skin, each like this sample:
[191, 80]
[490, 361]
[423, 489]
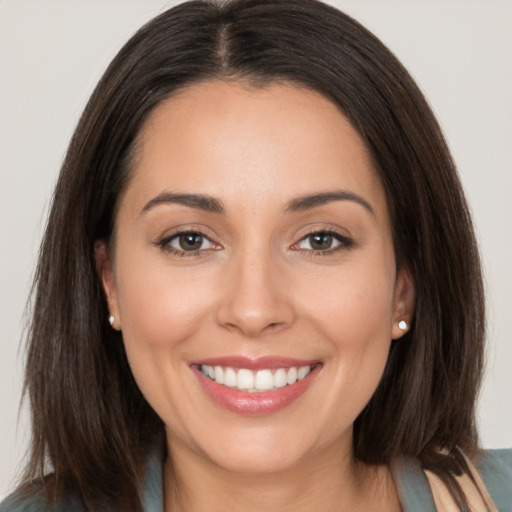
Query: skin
[257, 287]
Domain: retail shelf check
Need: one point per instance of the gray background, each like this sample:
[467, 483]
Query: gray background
[52, 53]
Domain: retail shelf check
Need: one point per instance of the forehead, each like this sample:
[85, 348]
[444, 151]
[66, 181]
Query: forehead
[231, 139]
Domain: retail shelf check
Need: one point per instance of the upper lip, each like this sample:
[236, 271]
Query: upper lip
[255, 363]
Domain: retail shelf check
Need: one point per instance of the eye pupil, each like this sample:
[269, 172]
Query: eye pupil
[191, 241]
[320, 241]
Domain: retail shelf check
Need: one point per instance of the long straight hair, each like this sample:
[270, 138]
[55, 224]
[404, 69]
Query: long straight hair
[89, 419]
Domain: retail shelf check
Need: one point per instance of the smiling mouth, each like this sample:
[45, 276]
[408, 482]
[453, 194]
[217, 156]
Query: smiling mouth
[255, 381]
[255, 386]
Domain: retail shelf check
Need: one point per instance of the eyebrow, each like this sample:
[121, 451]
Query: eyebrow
[309, 202]
[212, 205]
[198, 201]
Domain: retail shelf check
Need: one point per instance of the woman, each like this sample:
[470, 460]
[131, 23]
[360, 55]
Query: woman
[259, 286]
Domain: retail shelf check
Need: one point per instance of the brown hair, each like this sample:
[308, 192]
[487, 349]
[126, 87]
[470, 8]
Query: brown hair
[90, 421]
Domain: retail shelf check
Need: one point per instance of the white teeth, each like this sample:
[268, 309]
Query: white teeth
[245, 379]
[253, 381]
[264, 380]
[280, 378]
[230, 377]
[219, 375]
[291, 376]
[303, 371]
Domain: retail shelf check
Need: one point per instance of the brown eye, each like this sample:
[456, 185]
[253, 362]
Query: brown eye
[190, 241]
[187, 243]
[321, 241]
[324, 241]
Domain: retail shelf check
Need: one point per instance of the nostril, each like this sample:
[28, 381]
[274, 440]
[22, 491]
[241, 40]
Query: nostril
[274, 326]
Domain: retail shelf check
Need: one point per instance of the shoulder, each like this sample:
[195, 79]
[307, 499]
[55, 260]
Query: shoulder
[32, 500]
[22, 502]
[495, 468]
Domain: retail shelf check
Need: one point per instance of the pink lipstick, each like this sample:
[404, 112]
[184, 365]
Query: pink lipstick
[255, 385]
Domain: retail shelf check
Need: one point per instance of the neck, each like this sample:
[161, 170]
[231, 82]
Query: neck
[328, 481]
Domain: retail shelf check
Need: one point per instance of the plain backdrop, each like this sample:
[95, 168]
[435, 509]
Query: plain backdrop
[52, 53]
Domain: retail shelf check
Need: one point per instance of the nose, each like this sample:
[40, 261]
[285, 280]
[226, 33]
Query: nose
[255, 297]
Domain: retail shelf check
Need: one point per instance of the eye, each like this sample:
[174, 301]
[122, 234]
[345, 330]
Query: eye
[323, 242]
[191, 242]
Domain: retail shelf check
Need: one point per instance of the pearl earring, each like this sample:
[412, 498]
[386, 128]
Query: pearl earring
[111, 320]
[402, 325]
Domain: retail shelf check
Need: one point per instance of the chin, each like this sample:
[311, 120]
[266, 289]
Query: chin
[267, 449]
[256, 460]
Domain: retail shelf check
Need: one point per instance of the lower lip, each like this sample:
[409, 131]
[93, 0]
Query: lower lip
[264, 402]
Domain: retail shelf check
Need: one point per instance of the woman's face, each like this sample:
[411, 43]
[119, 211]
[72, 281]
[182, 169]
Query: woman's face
[253, 275]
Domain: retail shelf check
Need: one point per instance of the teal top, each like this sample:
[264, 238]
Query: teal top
[495, 467]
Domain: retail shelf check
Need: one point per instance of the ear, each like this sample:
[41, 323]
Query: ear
[403, 304]
[106, 272]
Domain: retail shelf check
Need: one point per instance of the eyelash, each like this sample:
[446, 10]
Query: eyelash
[165, 244]
[344, 243]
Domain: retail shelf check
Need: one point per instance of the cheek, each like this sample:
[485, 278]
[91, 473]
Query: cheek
[159, 306]
[353, 311]
[354, 305]
[160, 312]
